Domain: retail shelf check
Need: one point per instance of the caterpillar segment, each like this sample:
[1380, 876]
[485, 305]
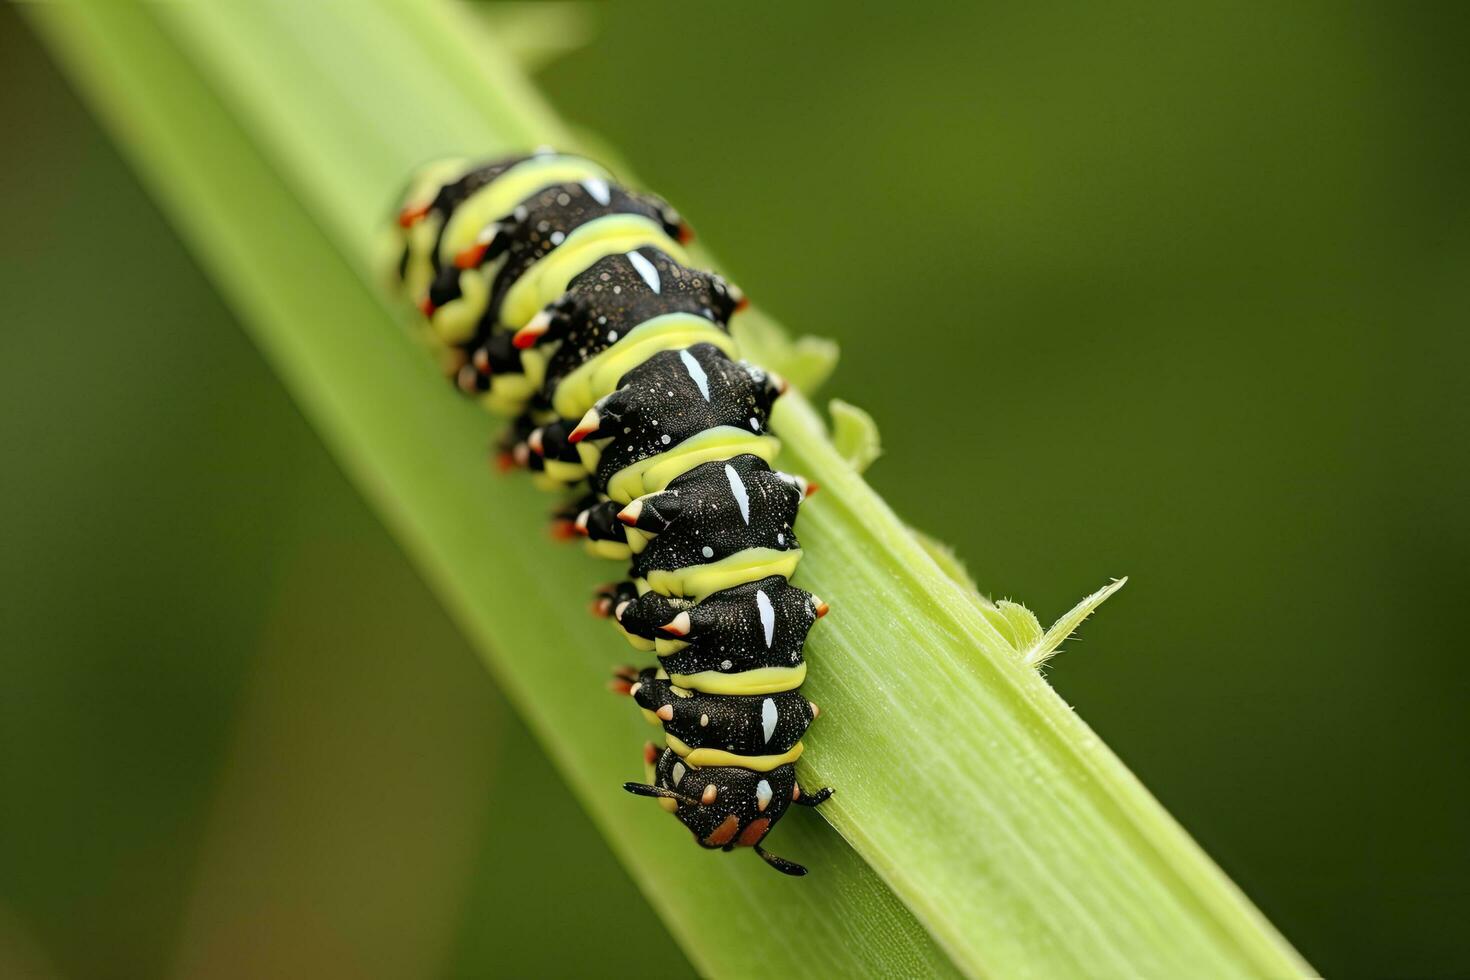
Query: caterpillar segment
[769, 725]
[721, 524]
[721, 519]
[449, 203]
[533, 246]
[672, 412]
[606, 535]
[760, 625]
[566, 302]
[514, 449]
[620, 312]
[469, 295]
[504, 378]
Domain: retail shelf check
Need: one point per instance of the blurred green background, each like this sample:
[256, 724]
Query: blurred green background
[1177, 292]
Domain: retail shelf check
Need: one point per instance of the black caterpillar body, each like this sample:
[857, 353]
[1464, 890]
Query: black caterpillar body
[566, 301]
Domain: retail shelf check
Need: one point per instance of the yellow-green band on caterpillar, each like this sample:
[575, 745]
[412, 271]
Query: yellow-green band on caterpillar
[513, 390]
[548, 278]
[699, 581]
[415, 239]
[763, 680]
[498, 198]
[456, 322]
[718, 757]
[611, 550]
[656, 472]
[597, 377]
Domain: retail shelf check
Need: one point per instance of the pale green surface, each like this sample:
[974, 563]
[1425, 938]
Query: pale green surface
[1016, 838]
[1041, 649]
[237, 730]
[855, 434]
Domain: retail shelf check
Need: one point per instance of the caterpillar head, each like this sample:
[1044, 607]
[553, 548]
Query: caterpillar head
[433, 197]
[724, 807]
[416, 226]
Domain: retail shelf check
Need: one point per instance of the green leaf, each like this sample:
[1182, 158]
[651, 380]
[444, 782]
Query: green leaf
[537, 34]
[951, 566]
[807, 363]
[1043, 648]
[1023, 624]
[979, 826]
[855, 434]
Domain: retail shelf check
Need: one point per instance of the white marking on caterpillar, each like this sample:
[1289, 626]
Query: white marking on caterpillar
[678, 773]
[645, 269]
[598, 189]
[696, 372]
[741, 497]
[762, 795]
[768, 717]
[768, 615]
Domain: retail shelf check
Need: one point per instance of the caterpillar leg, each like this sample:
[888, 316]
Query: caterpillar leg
[659, 792]
[623, 680]
[608, 598]
[600, 522]
[780, 864]
[802, 798]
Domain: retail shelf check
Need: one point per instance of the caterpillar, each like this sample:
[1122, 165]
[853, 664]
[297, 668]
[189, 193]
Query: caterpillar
[566, 302]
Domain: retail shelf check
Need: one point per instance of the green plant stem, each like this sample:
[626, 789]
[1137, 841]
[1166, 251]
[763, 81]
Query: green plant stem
[983, 827]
